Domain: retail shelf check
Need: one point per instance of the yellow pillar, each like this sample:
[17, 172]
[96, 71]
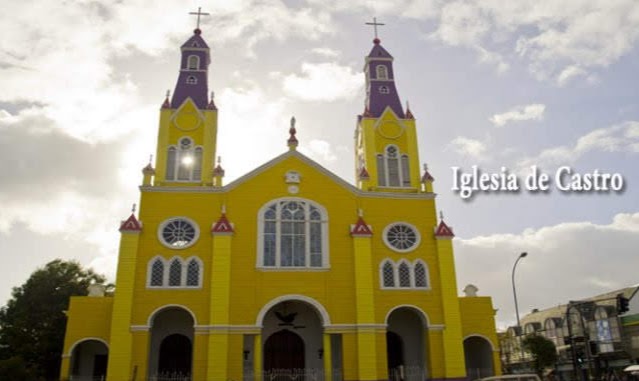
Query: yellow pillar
[257, 358]
[235, 356]
[218, 356]
[328, 358]
[65, 367]
[140, 355]
[364, 301]
[452, 339]
[120, 342]
[200, 349]
[350, 356]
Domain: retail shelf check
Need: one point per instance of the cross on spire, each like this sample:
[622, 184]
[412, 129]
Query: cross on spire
[374, 24]
[199, 13]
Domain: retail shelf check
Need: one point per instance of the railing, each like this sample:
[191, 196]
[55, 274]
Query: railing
[176, 376]
[407, 373]
[87, 378]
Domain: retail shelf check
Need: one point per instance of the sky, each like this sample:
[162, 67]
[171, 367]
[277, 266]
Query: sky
[499, 85]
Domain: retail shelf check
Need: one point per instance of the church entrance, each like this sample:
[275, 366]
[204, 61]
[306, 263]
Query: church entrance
[284, 350]
[171, 347]
[479, 357]
[406, 345]
[292, 337]
[89, 360]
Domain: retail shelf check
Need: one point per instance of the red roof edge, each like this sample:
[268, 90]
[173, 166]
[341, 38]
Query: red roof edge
[361, 229]
[131, 224]
[222, 226]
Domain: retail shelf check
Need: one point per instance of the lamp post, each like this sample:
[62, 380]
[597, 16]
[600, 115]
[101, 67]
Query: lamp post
[522, 255]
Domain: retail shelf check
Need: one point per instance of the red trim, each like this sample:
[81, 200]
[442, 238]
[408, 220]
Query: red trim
[443, 230]
[131, 224]
[427, 177]
[363, 174]
[222, 225]
[361, 229]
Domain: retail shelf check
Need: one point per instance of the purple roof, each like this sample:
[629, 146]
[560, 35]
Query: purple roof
[380, 78]
[192, 81]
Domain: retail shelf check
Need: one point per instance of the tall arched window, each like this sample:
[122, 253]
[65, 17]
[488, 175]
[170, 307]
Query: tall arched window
[392, 168]
[157, 273]
[193, 273]
[421, 275]
[382, 72]
[388, 274]
[293, 234]
[175, 272]
[184, 163]
[193, 62]
[403, 274]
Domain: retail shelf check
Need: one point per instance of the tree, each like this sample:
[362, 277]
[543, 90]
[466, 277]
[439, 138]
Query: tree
[33, 322]
[543, 352]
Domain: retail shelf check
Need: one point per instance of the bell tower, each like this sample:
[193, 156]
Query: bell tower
[387, 158]
[187, 133]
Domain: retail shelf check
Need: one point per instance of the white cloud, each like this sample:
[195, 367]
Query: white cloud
[622, 137]
[469, 147]
[321, 149]
[326, 52]
[519, 113]
[564, 252]
[324, 82]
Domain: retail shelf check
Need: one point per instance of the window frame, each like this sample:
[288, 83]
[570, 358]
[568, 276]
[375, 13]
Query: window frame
[324, 224]
[174, 155]
[401, 164]
[418, 237]
[381, 72]
[196, 61]
[396, 275]
[167, 221]
[166, 262]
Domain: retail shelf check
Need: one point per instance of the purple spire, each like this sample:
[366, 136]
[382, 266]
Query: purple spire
[380, 82]
[193, 79]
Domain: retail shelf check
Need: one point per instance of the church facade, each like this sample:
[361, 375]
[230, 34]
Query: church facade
[288, 272]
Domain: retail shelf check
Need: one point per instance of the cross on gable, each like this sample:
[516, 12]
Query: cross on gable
[375, 24]
[199, 13]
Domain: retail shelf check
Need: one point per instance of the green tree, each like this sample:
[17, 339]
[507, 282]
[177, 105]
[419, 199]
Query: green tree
[543, 352]
[33, 322]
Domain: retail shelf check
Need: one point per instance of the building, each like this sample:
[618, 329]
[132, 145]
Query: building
[288, 271]
[598, 341]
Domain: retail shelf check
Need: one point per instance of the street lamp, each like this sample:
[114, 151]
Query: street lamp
[522, 255]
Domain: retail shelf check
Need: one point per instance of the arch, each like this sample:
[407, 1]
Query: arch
[88, 359]
[404, 271]
[418, 277]
[479, 335]
[422, 315]
[188, 269]
[387, 274]
[381, 71]
[319, 308]
[158, 310]
[407, 345]
[273, 240]
[82, 340]
[175, 269]
[193, 62]
[153, 271]
[284, 350]
[478, 355]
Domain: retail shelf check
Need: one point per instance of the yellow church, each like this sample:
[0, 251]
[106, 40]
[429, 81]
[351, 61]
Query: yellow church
[288, 273]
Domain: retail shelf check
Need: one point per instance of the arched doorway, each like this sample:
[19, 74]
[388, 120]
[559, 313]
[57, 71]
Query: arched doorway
[406, 345]
[292, 337]
[479, 357]
[89, 360]
[171, 344]
[284, 350]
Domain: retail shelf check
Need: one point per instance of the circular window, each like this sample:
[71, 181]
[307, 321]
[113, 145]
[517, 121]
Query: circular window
[401, 237]
[178, 233]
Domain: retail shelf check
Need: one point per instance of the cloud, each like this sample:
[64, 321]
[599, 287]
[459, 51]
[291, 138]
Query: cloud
[565, 252]
[326, 52]
[321, 149]
[324, 82]
[472, 148]
[518, 113]
[622, 137]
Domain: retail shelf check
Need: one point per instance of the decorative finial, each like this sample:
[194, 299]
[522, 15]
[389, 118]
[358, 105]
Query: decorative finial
[360, 212]
[292, 140]
[425, 167]
[219, 160]
[223, 208]
[168, 93]
[441, 215]
[198, 13]
[375, 24]
[133, 208]
[166, 103]
[212, 95]
[211, 105]
[409, 114]
[150, 159]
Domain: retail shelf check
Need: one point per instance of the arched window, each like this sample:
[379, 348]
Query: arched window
[157, 273]
[421, 275]
[384, 90]
[191, 80]
[388, 274]
[293, 234]
[193, 273]
[184, 163]
[403, 273]
[392, 168]
[193, 62]
[382, 72]
[175, 273]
